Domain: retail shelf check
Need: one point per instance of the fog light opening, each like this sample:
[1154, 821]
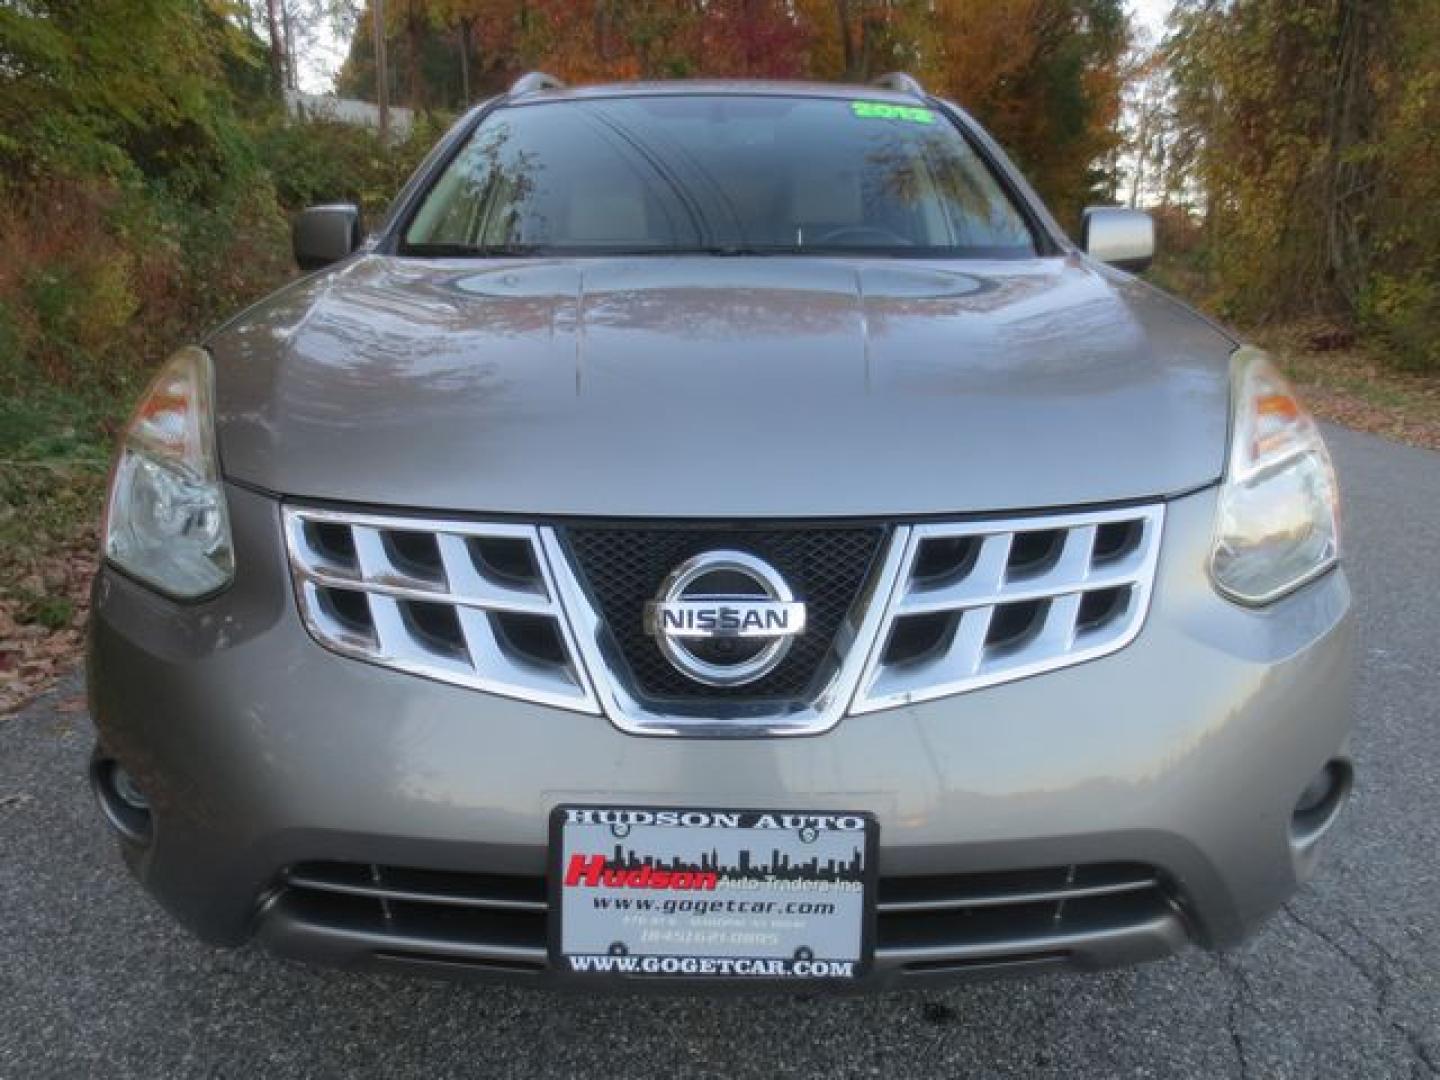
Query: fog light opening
[1320, 803]
[129, 793]
[124, 805]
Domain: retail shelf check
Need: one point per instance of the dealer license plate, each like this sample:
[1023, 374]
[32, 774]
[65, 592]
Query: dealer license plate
[715, 894]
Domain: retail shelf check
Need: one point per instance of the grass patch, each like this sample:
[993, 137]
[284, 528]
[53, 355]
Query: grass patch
[54, 452]
[55, 448]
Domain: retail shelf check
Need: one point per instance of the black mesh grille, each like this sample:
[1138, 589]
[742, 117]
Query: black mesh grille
[826, 567]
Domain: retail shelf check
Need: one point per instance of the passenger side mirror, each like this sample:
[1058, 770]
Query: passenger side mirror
[1123, 238]
[323, 235]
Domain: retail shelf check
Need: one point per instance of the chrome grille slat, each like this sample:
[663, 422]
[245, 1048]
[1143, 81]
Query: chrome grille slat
[377, 568]
[467, 581]
[1058, 633]
[962, 659]
[1003, 898]
[968, 658]
[519, 603]
[328, 626]
[321, 565]
[381, 890]
[1001, 940]
[387, 598]
[397, 641]
[925, 602]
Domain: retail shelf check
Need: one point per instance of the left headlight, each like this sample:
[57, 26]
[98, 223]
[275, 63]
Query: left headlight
[1278, 519]
[166, 522]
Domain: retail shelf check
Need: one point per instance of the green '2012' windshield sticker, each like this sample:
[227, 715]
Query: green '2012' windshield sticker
[880, 110]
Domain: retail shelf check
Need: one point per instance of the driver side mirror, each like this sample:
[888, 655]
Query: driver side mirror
[1123, 238]
[323, 235]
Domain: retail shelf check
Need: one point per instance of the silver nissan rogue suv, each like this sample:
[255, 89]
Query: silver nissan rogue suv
[721, 534]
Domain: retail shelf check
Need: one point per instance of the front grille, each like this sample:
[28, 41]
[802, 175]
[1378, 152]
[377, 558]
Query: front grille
[985, 602]
[454, 601]
[923, 923]
[489, 920]
[896, 613]
[623, 567]
[1021, 916]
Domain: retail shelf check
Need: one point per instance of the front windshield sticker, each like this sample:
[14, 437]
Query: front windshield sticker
[879, 110]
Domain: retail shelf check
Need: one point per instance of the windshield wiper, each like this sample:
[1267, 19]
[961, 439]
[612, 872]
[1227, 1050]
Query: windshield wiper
[744, 249]
[698, 249]
[472, 251]
[495, 251]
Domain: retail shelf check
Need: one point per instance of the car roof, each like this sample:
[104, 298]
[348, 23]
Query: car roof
[729, 87]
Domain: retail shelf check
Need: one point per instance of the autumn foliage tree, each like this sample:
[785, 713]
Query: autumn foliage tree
[132, 204]
[1044, 75]
[1318, 127]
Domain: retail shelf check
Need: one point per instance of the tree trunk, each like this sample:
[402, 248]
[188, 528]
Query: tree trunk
[291, 78]
[1350, 117]
[414, 32]
[867, 45]
[382, 69]
[464, 62]
[1142, 149]
[847, 42]
[277, 46]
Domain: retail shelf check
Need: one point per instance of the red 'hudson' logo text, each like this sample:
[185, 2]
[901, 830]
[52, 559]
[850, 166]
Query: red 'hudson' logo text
[591, 870]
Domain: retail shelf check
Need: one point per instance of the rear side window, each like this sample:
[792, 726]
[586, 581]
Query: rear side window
[725, 173]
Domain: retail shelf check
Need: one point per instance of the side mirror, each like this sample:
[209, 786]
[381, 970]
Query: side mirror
[1120, 237]
[322, 235]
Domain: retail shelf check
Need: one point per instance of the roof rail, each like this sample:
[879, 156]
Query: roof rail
[534, 81]
[901, 83]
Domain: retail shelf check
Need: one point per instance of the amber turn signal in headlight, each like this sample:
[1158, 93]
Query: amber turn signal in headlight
[1277, 522]
[166, 521]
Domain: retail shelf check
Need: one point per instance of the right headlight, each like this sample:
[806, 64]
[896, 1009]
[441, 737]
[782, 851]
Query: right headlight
[1278, 519]
[166, 521]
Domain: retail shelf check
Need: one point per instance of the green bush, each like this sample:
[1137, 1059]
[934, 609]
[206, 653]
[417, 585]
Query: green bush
[135, 206]
[320, 161]
[101, 277]
[1404, 313]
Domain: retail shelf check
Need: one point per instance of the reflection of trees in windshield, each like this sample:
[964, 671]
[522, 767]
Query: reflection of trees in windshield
[979, 213]
[617, 175]
[922, 175]
[488, 194]
[512, 214]
[892, 167]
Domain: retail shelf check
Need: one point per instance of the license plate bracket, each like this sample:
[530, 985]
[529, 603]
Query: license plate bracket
[666, 892]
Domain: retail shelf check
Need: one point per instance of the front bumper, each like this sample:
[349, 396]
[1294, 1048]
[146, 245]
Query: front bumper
[1184, 753]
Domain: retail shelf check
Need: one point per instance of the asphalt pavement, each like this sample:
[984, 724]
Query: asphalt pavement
[95, 980]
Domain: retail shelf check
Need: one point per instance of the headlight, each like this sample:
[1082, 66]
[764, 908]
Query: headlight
[1278, 519]
[165, 521]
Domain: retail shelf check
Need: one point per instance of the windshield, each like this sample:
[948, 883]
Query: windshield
[727, 174]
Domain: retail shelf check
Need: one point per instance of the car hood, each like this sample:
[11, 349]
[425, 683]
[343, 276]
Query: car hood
[721, 387]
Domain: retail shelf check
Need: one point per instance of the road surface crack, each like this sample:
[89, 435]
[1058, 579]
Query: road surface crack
[1381, 981]
[1239, 998]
